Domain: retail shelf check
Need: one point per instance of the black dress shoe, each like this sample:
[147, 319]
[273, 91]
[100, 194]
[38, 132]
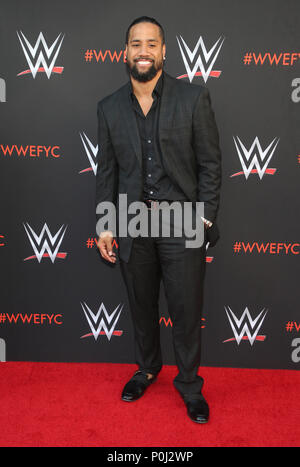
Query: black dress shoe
[136, 386]
[197, 409]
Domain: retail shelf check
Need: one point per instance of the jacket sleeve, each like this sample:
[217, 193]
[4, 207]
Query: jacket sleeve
[208, 154]
[107, 167]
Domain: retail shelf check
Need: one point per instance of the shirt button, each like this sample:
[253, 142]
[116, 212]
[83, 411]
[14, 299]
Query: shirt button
[151, 192]
[149, 158]
[149, 175]
[149, 141]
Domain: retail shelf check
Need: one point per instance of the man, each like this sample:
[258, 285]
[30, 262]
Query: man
[158, 141]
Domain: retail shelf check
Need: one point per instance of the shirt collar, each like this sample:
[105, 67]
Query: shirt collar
[158, 87]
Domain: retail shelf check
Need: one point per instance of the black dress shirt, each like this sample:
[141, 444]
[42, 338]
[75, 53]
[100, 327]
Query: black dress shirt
[157, 184]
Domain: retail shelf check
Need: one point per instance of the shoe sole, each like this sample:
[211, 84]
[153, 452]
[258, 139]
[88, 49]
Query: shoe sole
[130, 400]
[201, 422]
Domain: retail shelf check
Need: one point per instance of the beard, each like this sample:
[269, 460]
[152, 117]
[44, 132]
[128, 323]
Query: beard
[145, 76]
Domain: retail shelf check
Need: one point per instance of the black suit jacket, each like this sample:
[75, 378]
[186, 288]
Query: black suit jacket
[189, 141]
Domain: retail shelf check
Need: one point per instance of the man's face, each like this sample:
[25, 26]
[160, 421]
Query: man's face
[144, 51]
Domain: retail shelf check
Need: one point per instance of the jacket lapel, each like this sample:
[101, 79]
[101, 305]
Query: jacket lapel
[166, 121]
[167, 104]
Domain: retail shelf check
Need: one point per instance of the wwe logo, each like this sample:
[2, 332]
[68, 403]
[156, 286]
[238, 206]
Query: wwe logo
[91, 152]
[256, 160]
[35, 61]
[205, 65]
[245, 328]
[97, 321]
[40, 243]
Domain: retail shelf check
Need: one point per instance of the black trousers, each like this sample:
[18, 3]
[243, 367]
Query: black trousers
[182, 272]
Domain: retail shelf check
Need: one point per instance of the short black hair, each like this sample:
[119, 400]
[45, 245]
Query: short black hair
[145, 19]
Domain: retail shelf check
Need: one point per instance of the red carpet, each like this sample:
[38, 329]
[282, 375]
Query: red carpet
[78, 404]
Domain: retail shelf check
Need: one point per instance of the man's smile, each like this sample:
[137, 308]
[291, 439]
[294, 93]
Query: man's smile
[144, 62]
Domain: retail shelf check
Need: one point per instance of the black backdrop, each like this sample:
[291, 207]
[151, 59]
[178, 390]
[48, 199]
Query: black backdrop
[58, 306]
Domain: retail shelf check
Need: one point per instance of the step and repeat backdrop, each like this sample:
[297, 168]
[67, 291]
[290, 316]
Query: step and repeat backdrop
[59, 300]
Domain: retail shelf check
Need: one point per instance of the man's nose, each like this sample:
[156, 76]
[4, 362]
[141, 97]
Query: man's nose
[144, 51]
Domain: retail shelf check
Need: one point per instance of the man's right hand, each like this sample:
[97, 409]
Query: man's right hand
[105, 245]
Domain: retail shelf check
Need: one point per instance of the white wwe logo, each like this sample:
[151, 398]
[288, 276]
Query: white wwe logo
[210, 57]
[241, 329]
[91, 152]
[97, 322]
[40, 243]
[255, 160]
[50, 52]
